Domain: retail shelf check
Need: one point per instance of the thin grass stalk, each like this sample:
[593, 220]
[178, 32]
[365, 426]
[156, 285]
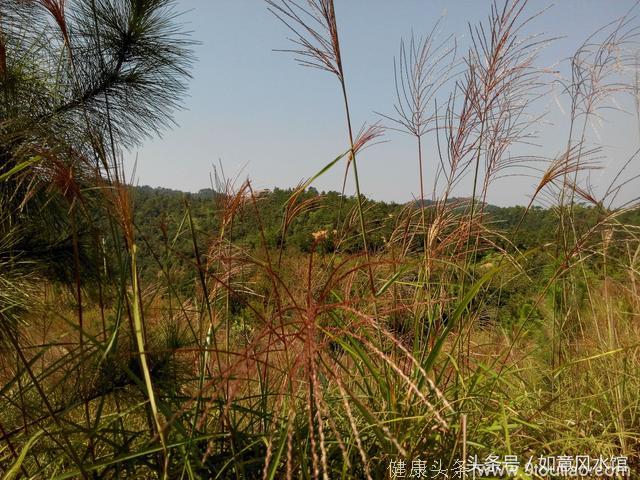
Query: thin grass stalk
[352, 160]
[64, 440]
[12, 450]
[210, 337]
[141, 344]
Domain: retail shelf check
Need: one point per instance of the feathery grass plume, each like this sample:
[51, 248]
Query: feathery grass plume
[420, 71]
[484, 116]
[315, 33]
[316, 36]
[499, 83]
[422, 68]
[57, 10]
[565, 164]
[504, 82]
[599, 72]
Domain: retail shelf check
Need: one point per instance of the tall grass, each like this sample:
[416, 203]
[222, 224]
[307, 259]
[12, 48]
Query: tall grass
[257, 363]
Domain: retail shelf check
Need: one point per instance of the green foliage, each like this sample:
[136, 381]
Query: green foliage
[151, 333]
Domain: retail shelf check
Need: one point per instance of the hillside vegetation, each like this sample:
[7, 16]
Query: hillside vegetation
[235, 333]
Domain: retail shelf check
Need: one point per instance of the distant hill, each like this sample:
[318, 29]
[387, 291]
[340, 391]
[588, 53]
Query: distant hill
[162, 210]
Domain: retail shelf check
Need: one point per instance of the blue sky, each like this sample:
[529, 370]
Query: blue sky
[266, 118]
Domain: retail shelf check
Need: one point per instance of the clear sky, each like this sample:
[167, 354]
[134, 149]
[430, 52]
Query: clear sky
[275, 122]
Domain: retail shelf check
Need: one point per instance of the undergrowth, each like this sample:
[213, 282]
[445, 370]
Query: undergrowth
[230, 359]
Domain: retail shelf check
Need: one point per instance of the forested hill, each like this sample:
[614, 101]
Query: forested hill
[161, 220]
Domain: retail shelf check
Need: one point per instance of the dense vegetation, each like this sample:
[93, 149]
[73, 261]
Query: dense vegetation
[155, 207]
[148, 333]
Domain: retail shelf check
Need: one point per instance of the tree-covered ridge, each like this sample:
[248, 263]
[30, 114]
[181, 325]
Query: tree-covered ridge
[154, 207]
